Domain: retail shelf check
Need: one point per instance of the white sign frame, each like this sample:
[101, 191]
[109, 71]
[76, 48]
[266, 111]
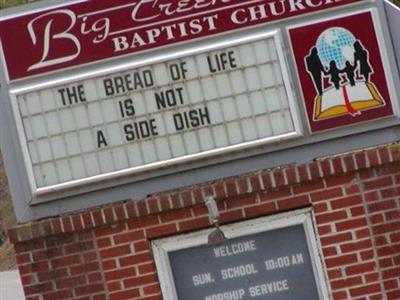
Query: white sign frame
[304, 217]
[201, 47]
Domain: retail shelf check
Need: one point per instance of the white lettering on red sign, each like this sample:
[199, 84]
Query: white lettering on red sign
[72, 35]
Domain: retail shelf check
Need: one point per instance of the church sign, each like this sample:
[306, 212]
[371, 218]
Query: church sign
[102, 96]
[342, 75]
[213, 99]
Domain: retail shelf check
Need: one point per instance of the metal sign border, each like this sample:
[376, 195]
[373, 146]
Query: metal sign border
[228, 42]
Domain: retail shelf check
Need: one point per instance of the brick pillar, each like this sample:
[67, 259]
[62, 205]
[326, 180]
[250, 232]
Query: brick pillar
[105, 253]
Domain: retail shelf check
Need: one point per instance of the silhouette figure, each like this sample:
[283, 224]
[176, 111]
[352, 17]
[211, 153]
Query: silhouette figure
[361, 60]
[349, 70]
[334, 74]
[315, 67]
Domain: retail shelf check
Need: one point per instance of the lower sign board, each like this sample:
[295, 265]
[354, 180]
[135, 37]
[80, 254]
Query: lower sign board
[273, 264]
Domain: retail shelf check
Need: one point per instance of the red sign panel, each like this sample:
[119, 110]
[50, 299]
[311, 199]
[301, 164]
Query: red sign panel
[341, 72]
[90, 31]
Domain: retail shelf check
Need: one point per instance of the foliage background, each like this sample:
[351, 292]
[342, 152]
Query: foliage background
[9, 3]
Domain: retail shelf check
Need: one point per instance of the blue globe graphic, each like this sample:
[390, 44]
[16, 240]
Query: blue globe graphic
[336, 44]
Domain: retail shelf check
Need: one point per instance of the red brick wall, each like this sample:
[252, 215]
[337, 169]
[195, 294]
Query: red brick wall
[105, 253]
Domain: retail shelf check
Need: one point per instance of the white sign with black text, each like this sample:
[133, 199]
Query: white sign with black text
[219, 99]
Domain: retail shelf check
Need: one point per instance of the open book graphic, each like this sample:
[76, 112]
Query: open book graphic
[347, 100]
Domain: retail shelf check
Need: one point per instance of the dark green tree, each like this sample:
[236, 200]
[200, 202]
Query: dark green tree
[397, 2]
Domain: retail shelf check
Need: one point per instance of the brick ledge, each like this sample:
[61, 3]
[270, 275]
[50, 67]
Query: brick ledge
[223, 188]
